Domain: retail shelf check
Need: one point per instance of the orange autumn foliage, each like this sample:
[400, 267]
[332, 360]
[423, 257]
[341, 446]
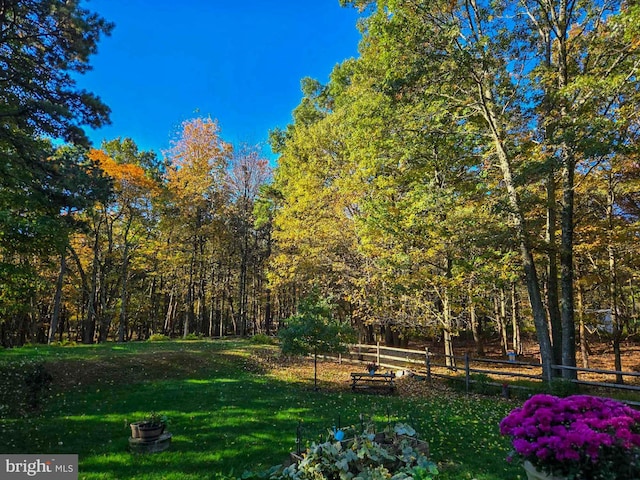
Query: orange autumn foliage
[124, 175]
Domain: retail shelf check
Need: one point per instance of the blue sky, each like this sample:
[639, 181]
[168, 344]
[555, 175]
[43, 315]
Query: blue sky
[238, 61]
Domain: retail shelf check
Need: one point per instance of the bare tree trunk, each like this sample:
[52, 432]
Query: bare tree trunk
[528, 264]
[58, 297]
[553, 301]
[566, 264]
[517, 343]
[447, 333]
[168, 318]
[90, 320]
[613, 282]
[189, 311]
[501, 322]
[475, 328]
[634, 321]
[584, 348]
[122, 327]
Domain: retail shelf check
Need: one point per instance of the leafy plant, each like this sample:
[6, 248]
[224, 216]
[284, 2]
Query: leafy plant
[394, 456]
[372, 367]
[155, 418]
[404, 429]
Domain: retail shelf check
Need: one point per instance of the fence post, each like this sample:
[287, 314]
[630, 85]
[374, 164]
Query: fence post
[378, 353]
[427, 361]
[467, 371]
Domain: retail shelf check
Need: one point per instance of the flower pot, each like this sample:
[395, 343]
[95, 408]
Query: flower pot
[146, 431]
[534, 474]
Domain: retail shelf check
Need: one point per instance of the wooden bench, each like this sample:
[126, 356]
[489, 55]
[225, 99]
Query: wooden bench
[377, 380]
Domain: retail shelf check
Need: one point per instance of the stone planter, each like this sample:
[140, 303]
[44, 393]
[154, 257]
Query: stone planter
[159, 444]
[146, 431]
[534, 474]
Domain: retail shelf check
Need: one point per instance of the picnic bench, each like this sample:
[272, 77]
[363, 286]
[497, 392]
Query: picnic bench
[373, 381]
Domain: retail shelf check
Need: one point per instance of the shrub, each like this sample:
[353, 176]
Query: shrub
[158, 337]
[262, 339]
[194, 336]
[481, 383]
[561, 387]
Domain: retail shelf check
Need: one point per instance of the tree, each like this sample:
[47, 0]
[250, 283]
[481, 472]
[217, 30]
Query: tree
[313, 330]
[484, 63]
[129, 217]
[83, 184]
[247, 173]
[197, 182]
[43, 44]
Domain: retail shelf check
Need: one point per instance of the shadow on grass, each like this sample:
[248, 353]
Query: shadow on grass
[226, 417]
[220, 426]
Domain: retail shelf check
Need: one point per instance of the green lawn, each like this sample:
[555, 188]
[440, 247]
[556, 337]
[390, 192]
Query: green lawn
[228, 412]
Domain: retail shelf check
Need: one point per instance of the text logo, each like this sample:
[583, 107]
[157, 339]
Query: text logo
[46, 467]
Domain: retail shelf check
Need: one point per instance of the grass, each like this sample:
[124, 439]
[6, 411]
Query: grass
[231, 407]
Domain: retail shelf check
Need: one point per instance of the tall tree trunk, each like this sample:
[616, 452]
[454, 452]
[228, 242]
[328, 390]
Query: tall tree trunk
[89, 326]
[634, 320]
[567, 156]
[501, 324]
[58, 297]
[189, 310]
[447, 318]
[566, 265]
[553, 301]
[242, 293]
[202, 288]
[450, 360]
[584, 347]
[168, 318]
[528, 264]
[613, 281]
[517, 343]
[122, 327]
[475, 327]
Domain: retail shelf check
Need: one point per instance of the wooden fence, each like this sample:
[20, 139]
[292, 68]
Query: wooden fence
[429, 365]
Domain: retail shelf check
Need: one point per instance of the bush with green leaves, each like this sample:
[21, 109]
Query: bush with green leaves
[193, 336]
[314, 330]
[158, 337]
[561, 387]
[263, 339]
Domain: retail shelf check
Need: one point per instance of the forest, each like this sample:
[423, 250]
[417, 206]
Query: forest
[473, 173]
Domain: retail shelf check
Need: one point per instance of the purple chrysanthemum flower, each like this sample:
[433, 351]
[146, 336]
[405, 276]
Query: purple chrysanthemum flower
[575, 435]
